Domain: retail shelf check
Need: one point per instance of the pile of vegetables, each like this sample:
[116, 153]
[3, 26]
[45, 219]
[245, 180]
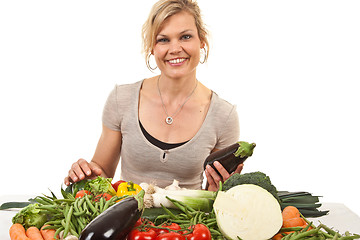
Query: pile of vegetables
[68, 216]
[246, 207]
[296, 226]
[307, 204]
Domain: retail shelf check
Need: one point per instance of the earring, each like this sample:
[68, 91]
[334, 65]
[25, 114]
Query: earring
[148, 63]
[204, 53]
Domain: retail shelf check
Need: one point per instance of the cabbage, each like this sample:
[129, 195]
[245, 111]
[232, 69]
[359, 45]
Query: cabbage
[248, 212]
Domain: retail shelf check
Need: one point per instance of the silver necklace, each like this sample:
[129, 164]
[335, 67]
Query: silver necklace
[169, 119]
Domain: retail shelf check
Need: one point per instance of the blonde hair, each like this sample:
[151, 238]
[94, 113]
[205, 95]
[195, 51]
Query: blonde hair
[164, 9]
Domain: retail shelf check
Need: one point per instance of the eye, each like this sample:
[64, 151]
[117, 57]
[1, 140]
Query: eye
[162, 40]
[186, 37]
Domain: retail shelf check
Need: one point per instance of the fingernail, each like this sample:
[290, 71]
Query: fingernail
[88, 172]
[216, 163]
[75, 178]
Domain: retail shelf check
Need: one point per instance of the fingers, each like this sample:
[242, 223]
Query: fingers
[238, 169]
[212, 185]
[95, 169]
[214, 178]
[80, 170]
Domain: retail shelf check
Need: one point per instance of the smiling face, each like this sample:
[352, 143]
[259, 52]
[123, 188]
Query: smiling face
[177, 47]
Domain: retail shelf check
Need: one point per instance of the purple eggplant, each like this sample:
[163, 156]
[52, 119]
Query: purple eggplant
[115, 222]
[231, 156]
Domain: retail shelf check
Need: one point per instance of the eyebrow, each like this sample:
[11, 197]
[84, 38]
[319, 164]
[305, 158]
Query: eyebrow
[182, 32]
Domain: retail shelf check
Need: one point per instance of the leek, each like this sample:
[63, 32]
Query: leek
[197, 199]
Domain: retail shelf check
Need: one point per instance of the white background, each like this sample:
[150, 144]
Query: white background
[291, 67]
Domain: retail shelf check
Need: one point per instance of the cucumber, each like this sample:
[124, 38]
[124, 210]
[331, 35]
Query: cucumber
[153, 213]
[9, 205]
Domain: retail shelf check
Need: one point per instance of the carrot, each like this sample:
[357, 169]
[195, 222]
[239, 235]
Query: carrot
[34, 233]
[292, 218]
[278, 236]
[17, 232]
[293, 222]
[290, 212]
[47, 234]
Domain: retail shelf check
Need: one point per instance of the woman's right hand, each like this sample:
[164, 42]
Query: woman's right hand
[82, 169]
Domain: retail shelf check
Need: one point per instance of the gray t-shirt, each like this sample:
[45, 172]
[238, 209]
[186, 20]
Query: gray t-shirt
[141, 161]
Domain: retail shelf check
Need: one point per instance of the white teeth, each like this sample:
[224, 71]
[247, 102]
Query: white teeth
[178, 60]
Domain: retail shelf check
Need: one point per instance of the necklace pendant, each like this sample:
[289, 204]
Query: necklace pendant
[169, 120]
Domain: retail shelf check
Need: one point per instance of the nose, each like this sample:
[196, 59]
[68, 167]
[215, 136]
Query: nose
[175, 47]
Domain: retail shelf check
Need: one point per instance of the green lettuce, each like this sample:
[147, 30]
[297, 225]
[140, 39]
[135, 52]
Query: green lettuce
[100, 185]
[30, 216]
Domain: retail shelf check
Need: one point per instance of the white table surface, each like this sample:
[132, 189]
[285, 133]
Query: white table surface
[340, 217]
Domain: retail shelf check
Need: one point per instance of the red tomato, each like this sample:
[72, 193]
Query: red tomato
[82, 193]
[146, 234]
[104, 195]
[142, 221]
[200, 232]
[170, 236]
[166, 227]
[115, 185]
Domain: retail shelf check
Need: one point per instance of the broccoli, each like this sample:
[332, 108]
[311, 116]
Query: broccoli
[257, 178]
[30, 216]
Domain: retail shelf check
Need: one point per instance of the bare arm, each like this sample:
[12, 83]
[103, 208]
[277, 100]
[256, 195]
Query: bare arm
[105, 159]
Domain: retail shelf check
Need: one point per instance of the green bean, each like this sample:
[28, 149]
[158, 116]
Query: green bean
[287, 237]
[66, 210]
[180, 221]
[305, 234]
[77, 214]
[50, 208]
[80, 203]
[67, 221]
[53, 222]
[209, 220]
[209, 225]
[50, 227]
[336, 236]
[64, 200]
[289, 229]
[107, 203]
[73, 232]
[327, 229]
[82, 226]
[57, 232]
[172, 215]
[356, 236]
[102, 204]
[43, 200]
[213, 231]
[194, 219]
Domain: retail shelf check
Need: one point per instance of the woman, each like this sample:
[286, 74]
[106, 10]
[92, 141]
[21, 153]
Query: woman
[164, 127]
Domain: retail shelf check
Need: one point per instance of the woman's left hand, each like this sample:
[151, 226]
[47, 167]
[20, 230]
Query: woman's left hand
[213, 178]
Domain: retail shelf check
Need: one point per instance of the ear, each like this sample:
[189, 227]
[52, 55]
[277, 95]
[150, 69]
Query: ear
[202, 45]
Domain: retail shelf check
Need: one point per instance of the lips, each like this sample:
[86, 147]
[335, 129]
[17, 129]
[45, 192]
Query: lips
[177, 60]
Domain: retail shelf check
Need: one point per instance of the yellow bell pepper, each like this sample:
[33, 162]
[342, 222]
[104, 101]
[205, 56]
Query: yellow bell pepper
[128, 188]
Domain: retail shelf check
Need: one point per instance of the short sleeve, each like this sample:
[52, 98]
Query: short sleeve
[230, 131]
[110, 116]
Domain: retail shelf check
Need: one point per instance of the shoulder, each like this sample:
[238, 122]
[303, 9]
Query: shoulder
[222, 108]
[225, 122]
[123, 93]
[126, 90]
